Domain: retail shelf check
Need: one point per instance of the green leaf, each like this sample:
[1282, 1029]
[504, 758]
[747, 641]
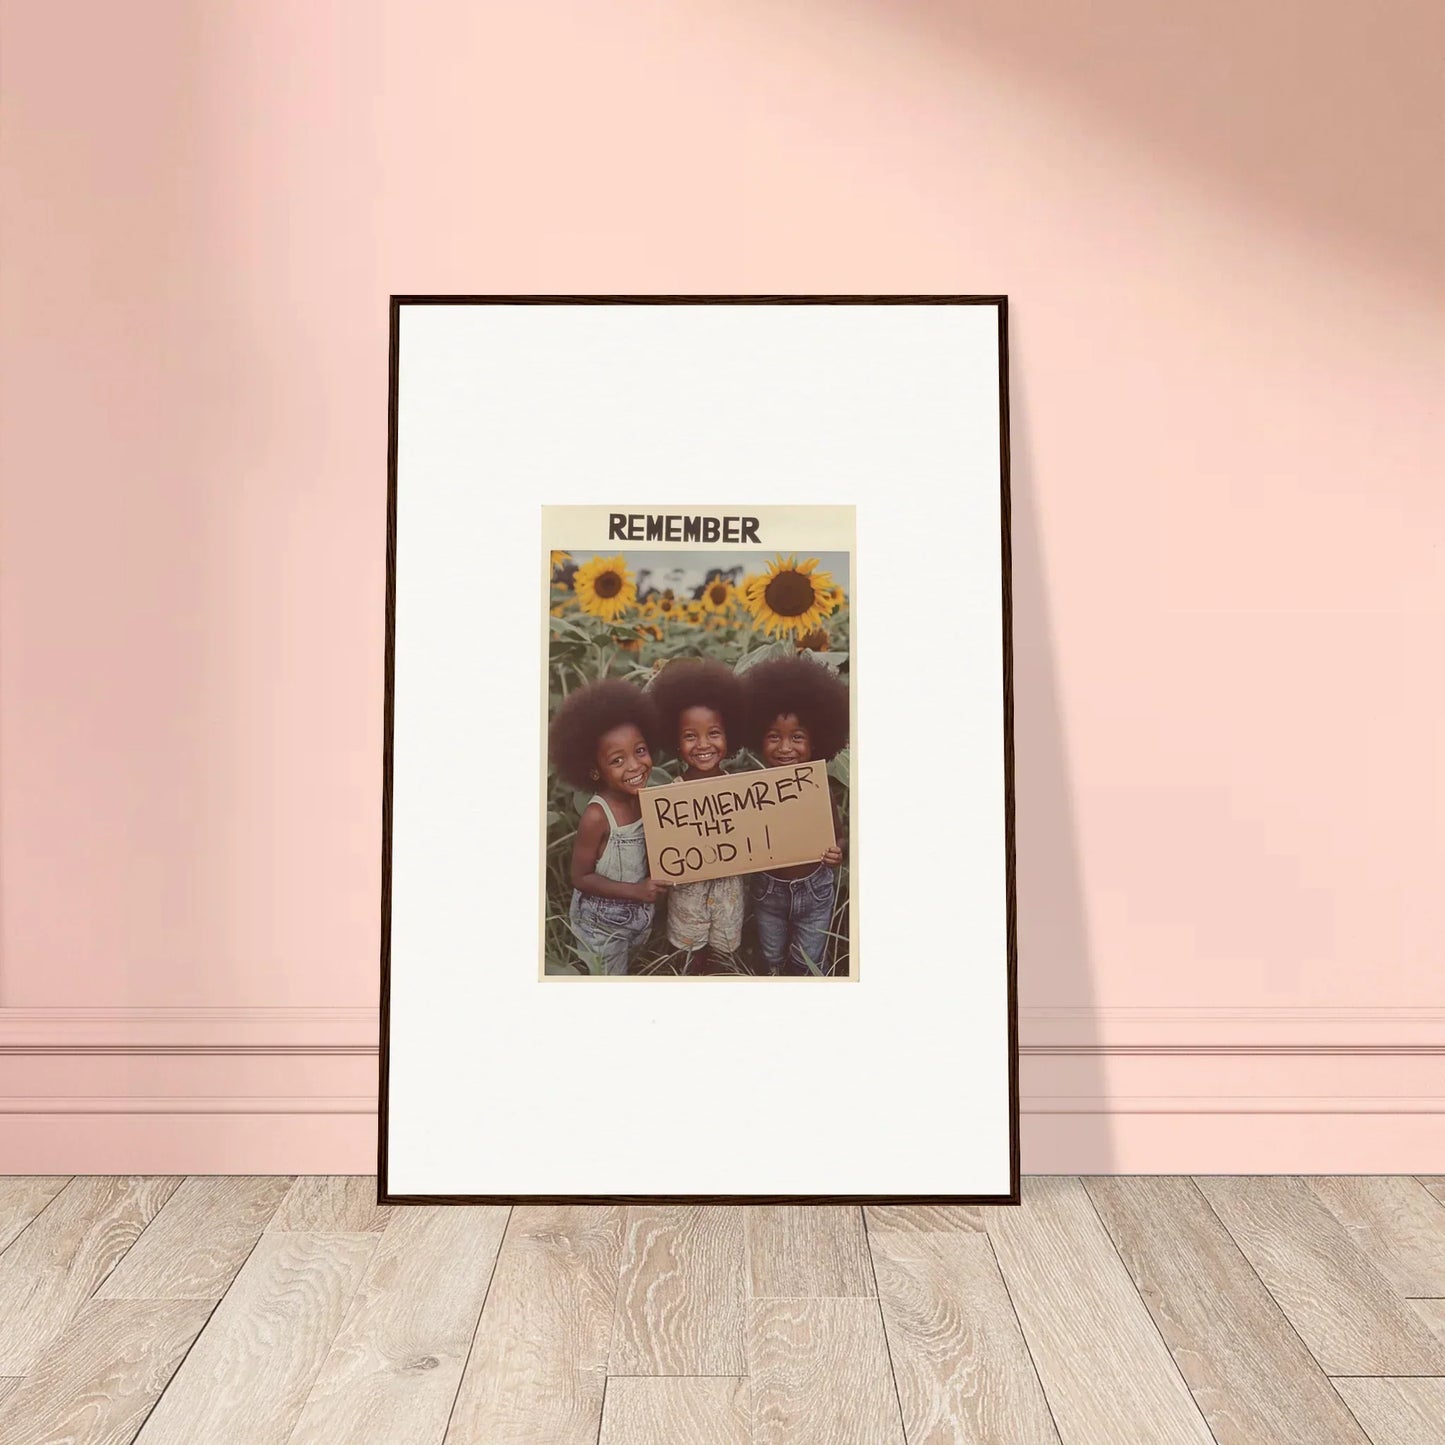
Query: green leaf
[570, 627]
[762, 654]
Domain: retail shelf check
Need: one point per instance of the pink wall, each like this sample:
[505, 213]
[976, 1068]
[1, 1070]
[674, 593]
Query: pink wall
[1223, 231]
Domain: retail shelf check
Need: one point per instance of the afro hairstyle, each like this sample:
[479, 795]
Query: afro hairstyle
[692, 682]
[811, 691]
[586, 715]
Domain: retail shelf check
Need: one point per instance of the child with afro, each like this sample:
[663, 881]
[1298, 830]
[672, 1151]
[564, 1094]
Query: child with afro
[700, 710]
[797, 712]
[602, 737]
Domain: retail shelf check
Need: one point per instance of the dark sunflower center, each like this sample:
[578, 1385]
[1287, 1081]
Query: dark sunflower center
[718, 594]
[607, 584]
[789, 594]
[666, 604]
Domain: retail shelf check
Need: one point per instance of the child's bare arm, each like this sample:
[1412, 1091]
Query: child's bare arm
[591, 839]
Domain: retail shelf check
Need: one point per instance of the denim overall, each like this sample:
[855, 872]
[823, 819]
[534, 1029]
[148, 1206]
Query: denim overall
[609, 930]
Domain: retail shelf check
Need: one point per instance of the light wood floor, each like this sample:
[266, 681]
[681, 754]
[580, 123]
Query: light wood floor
[1169, 1311]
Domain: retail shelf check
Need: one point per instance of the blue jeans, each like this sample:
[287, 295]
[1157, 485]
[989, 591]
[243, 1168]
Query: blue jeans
[609, 930]
[793, 917]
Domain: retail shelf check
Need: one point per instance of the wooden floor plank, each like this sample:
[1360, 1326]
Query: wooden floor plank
[962, 1368]
[1343, 1307]
[925, 1218]
[1393, 1221]
[348, 1334]
[1249, 1373]
[1435, 1183]
[820, 1374]
[201, 1237]
[247, 1377]
[392, 1373]
[1104, 1368]
[1398, 1412]
[331, 1204]
[97, 1383]
[676, 1410]
[538, 1363]
[22, 1198]
[680, 1293]
[807, 1250]
[1432, 1311]
[60, 1260]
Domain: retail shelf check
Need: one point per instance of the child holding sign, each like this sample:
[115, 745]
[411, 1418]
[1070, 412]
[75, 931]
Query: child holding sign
[797, 711]
[601, 736]
[700, 709]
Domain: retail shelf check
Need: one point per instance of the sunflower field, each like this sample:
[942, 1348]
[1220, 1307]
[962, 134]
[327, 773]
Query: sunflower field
[601, 625]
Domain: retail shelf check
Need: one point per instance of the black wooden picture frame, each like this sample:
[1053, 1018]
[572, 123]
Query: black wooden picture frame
[399, 303]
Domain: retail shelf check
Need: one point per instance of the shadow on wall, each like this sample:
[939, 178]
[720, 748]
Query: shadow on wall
[1055, 961]
[1325, 113]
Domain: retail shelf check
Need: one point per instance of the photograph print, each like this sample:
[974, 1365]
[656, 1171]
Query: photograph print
[699, 777]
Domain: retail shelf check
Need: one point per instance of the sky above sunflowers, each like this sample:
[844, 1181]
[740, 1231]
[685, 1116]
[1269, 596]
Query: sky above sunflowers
[689, 570]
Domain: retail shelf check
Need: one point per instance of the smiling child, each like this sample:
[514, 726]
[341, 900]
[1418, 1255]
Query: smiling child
[797, 711]
[602, 738]
[700, 713]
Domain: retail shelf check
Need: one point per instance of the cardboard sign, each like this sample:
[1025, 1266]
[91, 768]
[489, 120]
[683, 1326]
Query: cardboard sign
[738, 823]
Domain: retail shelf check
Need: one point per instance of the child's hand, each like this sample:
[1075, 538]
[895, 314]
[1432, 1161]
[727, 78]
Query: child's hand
[650, 890]
[833, 856]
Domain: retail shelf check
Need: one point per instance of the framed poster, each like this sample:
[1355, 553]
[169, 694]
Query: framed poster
[698, 793]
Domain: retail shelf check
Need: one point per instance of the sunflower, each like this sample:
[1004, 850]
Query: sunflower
[604, 587]
[790, 597]
[717, 596]
[668, 607]
[694, 611]
[814, 641]
[650, 631]
[648, 610]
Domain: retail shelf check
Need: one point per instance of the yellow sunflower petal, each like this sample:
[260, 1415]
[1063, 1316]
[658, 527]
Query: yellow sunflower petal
[718, 594]
[788, 599]
[604, 587]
